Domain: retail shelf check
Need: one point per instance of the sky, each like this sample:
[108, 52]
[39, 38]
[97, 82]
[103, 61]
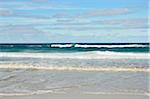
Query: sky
[70, 21]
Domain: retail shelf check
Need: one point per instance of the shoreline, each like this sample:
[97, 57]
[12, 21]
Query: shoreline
[76, 95]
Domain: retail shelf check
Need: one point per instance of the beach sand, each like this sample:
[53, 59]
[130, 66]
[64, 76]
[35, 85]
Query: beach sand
[75, 96]
[83, 91]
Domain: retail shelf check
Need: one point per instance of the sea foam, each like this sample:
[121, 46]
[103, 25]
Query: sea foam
[78, 55]
[65, 68]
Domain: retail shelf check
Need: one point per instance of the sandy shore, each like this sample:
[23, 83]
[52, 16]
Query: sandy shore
[76, 96]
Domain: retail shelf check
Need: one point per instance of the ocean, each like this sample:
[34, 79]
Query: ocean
[92, 68]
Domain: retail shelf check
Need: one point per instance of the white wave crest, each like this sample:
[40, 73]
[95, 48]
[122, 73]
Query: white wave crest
[78, 55]
[61, 45]
[96, 46]
[109, 46]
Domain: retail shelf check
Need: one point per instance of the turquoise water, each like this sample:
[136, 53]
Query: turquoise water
[69, 47]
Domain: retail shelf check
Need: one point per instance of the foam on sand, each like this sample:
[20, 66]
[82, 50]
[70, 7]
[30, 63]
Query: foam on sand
[117, 93]
[65, 68]
[88, 93]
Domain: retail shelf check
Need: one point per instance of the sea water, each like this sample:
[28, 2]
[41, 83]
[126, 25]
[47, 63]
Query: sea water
[92, 68]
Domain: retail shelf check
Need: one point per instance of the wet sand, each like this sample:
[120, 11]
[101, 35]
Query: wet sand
[75, 93]
[77, 85]
[76, 96]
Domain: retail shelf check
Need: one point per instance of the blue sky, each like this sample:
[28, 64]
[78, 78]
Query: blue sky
[59, 21]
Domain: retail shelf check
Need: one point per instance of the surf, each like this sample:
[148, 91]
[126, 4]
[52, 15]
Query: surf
[110, 46]
[78, 55]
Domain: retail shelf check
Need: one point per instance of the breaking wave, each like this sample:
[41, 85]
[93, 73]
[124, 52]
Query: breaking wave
[109, 46]
[61, 45]
[97, 46]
